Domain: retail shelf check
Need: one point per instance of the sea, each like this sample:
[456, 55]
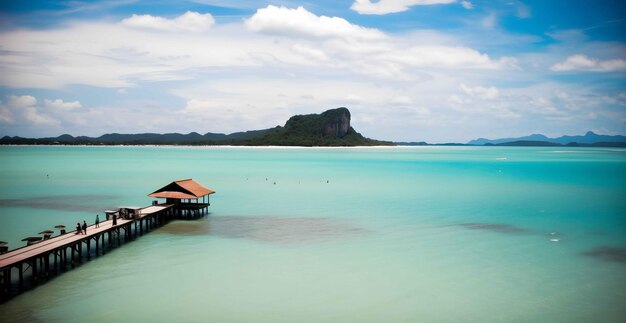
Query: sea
[378, 234]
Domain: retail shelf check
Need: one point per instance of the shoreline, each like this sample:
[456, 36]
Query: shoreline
[214, 146]
[322, 147]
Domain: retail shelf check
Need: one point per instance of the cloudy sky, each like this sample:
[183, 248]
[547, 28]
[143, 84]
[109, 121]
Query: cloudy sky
[410, 70]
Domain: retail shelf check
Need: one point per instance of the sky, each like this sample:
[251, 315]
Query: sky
[408, 70]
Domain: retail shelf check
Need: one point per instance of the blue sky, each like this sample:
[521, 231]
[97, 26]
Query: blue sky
[409, 70]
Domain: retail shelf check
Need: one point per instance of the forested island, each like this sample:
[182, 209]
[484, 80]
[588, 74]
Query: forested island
[330, 128]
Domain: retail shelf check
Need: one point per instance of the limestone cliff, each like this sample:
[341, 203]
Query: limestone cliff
[336, 122]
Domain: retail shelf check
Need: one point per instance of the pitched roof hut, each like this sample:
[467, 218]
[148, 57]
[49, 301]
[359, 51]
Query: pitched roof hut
[185, 195]
[182, 189]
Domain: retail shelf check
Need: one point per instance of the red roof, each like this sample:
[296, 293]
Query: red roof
[183, 189]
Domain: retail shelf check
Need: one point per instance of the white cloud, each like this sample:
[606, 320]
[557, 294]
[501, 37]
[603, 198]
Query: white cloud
[22, 101]
[582, 62]
[189, 21]
[23, 110]
[448, 57]
[300, 22]
[60, 104]
[59, 57]
[383, 7]
[481, 92]
[6, 115]
[467, 5]
[401, 100]
[309, 52]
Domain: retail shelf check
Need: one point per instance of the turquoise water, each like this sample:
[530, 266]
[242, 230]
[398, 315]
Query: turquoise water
[421, 234]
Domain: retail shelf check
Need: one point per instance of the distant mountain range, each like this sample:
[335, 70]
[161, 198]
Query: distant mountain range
[330, 128]
[137, 139]
[589, 139]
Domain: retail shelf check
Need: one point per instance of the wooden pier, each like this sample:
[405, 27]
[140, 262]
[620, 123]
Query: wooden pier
[34, 264]
[29, 266]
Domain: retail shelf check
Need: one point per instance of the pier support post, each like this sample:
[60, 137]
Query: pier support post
[6, 286]
[46, 265]
[56, 262]
[21, 275]
[64, 262]
[33, 267]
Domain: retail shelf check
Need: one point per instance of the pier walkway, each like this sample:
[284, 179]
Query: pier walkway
[45, 259]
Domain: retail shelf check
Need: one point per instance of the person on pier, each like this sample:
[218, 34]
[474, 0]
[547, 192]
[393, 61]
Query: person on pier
[84, 227]
[97, 220]
[78, 230]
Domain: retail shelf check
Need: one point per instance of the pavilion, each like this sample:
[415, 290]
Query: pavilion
[189, 198]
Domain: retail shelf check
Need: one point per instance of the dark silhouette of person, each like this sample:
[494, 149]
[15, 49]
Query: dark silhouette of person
[78, 231]
[97, 220]
[114, 219]
[84, 227]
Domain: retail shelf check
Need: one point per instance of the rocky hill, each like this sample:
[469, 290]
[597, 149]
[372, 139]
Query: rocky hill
[330, 128]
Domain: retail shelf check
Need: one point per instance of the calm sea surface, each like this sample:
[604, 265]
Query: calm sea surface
[425, 234]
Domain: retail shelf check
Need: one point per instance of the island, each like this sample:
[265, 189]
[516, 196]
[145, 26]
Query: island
[329, 128]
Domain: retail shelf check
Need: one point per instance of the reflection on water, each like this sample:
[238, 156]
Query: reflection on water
[270, 229]
[612, 254]
[73, 203]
